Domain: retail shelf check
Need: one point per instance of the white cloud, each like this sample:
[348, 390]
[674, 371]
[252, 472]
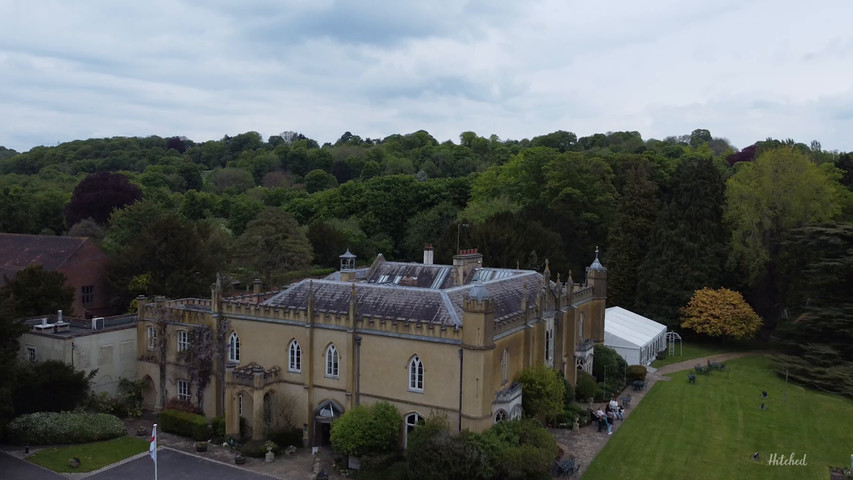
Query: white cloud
[745, 70]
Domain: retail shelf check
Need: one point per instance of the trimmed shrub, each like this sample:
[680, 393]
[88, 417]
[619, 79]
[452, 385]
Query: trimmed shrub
[544, 391]
[585, 388]
[68, 387]
[609, 367]
[636, 372]
[185, 424]
[218, 424]
[367, 430]
[287, 437]
[377, 463]
[436, 455]
[45, 428]
[257, 449]
[568, 394]
[576, 410]
[527, 450]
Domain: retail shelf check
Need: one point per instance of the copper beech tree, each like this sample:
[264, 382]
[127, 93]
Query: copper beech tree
[720, 312]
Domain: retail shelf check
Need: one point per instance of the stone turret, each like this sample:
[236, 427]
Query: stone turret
[478, 344]
[596, 277]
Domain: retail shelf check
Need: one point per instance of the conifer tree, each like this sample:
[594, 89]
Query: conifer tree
[687, 250]
[816, 341]
[630, 234]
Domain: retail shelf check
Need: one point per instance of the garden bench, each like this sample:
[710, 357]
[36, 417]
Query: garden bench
[566, 467]
[717, 365]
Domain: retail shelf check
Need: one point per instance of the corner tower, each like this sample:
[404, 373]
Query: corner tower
[478, 344]
[596, 277]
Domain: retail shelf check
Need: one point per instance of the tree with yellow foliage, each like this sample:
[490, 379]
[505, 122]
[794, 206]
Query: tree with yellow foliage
[720, 312]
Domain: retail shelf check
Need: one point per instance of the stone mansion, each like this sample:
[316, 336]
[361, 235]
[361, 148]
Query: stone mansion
[421, 336]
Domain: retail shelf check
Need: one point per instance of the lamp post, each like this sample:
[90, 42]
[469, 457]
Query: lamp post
[458, 228]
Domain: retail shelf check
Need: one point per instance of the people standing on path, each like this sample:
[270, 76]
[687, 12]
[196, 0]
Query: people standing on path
[616, 408]
[610, 416]
[602, 419]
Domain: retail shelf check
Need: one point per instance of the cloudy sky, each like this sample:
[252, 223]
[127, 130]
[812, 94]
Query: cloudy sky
[743, 69]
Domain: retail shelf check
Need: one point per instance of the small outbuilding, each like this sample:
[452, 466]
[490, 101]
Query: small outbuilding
[636, 338]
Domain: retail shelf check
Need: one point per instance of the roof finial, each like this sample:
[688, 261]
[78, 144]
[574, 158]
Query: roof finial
[596, 264]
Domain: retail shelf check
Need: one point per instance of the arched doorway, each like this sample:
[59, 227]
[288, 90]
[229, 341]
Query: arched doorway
[412, 421]
[149, 394]
[324, 414]
[245, 412]
[269, 409]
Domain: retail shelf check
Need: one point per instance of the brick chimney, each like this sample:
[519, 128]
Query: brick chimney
[428, 254]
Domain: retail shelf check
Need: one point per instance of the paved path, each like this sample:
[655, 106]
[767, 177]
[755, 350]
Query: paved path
[585, 443]
[178, 465]
[13, 468]
[302, 466]
[689, 364]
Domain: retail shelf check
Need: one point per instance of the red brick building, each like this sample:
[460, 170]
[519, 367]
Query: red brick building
[82, 262]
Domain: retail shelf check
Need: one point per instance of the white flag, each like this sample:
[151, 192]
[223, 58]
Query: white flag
[152, 448]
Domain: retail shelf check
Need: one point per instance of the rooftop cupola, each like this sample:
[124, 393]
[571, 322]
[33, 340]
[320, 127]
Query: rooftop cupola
[596, 277]
[347, 266]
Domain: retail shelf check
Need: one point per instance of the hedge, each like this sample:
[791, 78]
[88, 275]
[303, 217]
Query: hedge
[218, 424]
[46, 428]
[185, 424]
[257, 449]
[287, 437]
[586, 387]
[636, 372]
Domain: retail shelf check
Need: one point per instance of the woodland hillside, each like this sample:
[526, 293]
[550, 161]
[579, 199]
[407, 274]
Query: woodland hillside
[772, 221]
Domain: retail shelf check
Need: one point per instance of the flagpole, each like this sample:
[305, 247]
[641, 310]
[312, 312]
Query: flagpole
[152, 449]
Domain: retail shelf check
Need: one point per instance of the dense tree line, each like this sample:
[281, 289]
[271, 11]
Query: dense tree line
[670, 216]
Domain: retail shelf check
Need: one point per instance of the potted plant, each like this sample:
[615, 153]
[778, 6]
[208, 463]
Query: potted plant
[239, 459]
[270, 446]
[141, 431]
[200, 446]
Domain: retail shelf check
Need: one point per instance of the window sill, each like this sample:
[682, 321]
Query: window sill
[416, 390]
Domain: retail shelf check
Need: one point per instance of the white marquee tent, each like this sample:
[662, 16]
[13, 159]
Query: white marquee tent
[636, 338]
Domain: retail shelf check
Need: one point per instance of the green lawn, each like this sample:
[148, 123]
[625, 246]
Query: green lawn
[92, 455]
[711, 429]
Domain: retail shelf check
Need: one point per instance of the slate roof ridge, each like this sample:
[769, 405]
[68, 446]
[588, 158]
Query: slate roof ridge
[66, 254]
[450, 308]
